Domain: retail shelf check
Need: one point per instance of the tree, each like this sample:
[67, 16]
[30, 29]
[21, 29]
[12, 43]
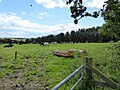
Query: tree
[67, 37]
[106, 33]
[110, 12]
[111, 16]
[60, 38]
[78, 10]
[73, 36]
[50, 38]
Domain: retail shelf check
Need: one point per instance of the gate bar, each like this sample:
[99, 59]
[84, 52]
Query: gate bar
[67, 78]
[82, 76]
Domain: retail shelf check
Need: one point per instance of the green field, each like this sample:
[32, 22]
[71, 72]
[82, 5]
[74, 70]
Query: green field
[36, 68]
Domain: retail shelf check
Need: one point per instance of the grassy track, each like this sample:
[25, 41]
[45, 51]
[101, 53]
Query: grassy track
[36, 68]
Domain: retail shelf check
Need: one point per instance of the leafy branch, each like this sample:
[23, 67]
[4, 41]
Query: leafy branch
[78, 10]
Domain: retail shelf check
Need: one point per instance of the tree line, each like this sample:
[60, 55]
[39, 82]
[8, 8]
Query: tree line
[79, 36]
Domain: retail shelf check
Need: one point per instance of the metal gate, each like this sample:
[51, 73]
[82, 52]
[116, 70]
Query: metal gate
[69, 77]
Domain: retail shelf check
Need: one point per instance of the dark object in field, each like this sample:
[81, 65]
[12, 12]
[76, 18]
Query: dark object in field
[9, 45]
[69, 53]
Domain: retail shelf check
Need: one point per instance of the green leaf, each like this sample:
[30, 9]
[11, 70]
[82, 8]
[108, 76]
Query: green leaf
[76, 21]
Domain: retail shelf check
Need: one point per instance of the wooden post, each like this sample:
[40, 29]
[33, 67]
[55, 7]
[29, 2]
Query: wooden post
[15, 54]
[88, 72]
[111, 83]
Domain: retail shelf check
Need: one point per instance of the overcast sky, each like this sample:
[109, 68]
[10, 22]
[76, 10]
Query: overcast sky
[19, 19]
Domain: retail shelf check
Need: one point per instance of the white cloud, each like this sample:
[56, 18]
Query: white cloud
[43, 13]
[52, 3]
[94, 3]
[14, 26]
[23, 12]
[40, 17]
[10, 21]
[62, 3]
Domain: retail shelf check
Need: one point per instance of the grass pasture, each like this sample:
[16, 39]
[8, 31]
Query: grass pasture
[36, 68]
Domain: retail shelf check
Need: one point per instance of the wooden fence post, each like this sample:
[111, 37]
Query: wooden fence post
[88, 72]
[15, 54]
[90, 69]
